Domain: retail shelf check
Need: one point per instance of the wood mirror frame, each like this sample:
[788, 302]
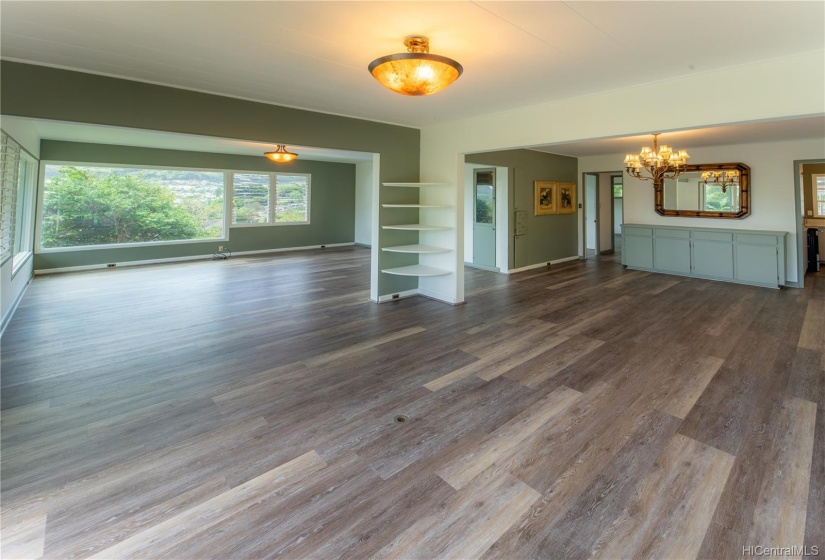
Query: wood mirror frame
[744, 193]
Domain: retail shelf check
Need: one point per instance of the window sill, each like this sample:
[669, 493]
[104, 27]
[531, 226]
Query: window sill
[18, 261]
[270, 225]
[127, 245]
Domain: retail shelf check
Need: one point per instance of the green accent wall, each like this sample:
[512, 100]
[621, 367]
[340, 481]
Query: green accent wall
[548, 237]
[332, 204]
[49, 93]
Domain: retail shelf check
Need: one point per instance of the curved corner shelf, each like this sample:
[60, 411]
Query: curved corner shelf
[415, 206]
[418, 227]
[416, 270]
[416, 249]
[417, 185]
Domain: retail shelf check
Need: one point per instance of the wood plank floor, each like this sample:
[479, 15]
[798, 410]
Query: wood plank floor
[245, 409]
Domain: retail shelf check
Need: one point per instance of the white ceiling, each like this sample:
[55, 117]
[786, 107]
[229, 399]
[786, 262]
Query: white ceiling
[314, 55]
[747, 133]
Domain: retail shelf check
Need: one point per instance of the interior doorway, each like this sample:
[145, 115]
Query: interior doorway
[591, 215]
[810, 201]
[484, 218]
[618, 211]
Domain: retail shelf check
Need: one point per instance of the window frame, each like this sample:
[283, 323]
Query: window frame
[273, 197]
[29, 210]
[815, 197]
[614, 184]
[39, 249]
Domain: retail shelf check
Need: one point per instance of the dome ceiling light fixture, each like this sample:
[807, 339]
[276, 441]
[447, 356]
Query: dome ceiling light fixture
[280, 155]
[416, 72]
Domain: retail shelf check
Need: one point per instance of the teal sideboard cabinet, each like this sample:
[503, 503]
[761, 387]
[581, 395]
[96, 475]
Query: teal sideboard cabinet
[732, 255]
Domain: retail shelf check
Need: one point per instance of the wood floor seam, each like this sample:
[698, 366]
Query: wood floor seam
[263, 407]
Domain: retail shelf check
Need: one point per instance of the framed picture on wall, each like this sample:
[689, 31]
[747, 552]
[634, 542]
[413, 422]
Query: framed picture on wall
[566, 201]
[545, 198]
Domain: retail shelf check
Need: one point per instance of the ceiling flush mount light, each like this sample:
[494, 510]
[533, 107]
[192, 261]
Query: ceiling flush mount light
[280, 155]
[416, 72]
[721, 178]
[656, 164]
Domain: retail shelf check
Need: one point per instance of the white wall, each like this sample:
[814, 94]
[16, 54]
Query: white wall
[780, 88]
[772, 189]
[591, 185]
[502, 218]
[11, 288]
[363, 202]
[468, 209]
[618, 215]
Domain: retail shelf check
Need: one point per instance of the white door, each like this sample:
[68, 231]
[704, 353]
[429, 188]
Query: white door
[591, 215]
[484, 218]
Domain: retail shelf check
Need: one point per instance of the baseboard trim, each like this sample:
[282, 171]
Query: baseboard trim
[541, 265]
[482, 267]
[438, 297]
[417, 292]
[401, 295]
[105, 266]
[13, 308]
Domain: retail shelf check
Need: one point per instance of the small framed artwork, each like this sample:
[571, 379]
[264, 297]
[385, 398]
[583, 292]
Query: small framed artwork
[566, 198]
[545, 198]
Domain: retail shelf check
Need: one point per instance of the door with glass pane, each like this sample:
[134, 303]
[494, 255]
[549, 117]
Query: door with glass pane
[484, 218]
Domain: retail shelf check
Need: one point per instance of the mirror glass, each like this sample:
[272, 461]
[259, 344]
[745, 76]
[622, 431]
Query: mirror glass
[706, 191]
[690, 192]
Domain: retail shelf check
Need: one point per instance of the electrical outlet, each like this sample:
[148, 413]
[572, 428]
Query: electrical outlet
[220, 248]
[111, 265]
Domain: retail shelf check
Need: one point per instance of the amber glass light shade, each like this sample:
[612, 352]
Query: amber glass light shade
[280, 155]
[416, 72]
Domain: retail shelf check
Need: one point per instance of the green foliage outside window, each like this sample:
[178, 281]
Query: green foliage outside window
[100, 206]
[718, 201]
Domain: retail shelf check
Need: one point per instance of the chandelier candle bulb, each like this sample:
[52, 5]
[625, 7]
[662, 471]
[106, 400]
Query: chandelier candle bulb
[656, 164]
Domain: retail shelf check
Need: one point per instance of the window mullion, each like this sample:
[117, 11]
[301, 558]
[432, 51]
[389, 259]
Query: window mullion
[273, 196]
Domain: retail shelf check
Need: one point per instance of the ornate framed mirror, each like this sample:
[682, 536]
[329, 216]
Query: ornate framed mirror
[708, 190]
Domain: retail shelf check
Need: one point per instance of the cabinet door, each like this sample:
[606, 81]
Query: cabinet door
[672, 255]
[712, 259]
[757, 264]
[638, 251]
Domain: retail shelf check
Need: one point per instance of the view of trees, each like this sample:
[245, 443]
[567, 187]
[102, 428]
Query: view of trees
[718, 201]
[99, 206]
[251, 198]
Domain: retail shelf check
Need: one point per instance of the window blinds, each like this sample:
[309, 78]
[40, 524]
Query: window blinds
[9, 168]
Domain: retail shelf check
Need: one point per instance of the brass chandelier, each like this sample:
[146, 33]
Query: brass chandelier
[724, 179]
[656, 164]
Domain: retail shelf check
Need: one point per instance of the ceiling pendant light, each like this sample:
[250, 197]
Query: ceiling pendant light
[416, 72]
[659, 163]
[280, 155]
